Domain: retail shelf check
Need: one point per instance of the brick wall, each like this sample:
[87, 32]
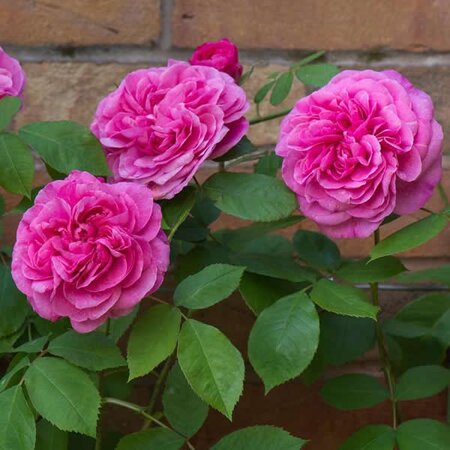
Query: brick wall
[75, 51]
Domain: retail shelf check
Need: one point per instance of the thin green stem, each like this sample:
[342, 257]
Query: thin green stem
[384, 356]
[276, 115]
[99, 436]
[443, 194]
[157, 389]
[141, 411]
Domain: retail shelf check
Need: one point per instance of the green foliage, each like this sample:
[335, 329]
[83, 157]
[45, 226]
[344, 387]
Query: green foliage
[281, 88]
[209, 286]
[16, 367]
[63, 394]
[423, 381]
[153, 338]
[213, 367]
[284, 339]
[17, 427]
[66, 146]
[17, 167]
[13, 305]
[363, 271]
[354, 391]
[263, 91]
[342, 299]
[35, 346]
[93, 351]
[176, 210]
[242, 148]
[184, 410]
[269, 165]
[154, 439]
[120, 325]
[345, 338]
[9, 107]
[250, 196]
[259, 291]
[317, 250]
[440, 274]
[411, 236]
[316, 75]
[423, 434]
[371, 437]
[260, 437]
[50, 438]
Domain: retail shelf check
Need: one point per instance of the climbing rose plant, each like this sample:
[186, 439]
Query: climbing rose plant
[115, 257]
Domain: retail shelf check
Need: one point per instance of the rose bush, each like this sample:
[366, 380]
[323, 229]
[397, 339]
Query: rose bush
[161, 124]
[360, 148]
[363, 148]
[89, 251]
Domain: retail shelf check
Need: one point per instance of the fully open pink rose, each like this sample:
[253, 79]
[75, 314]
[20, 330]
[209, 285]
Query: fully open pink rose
[12, 76]
[88, 250]
[162, 123]
[360, 148]
[223, 55]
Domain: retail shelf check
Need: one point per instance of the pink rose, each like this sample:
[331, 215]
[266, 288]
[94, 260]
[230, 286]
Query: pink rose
[12, 76]
[88, 250]
[160, 124]
[360, 148]
[222, 55]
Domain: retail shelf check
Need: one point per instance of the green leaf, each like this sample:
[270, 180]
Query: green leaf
[439, 274]
[13, 305]
[246, 75]
[35, 346]
[50, 438]
[17, 167]
[260, 437]
[284, 339]
[423, 434]
[317, 250]
[213, 367]
[93, 351]
[282, 88]
[275, 267]
[423, 381]
[239, 237]
[310, 58]
[175, 211]
[250, 196]
[154, 439]
[363, 271]
[345, 338]
[13, 370]
[242, 148]
[410, 237]
[208, 287]
[269, 165]
[153, 338]
[17, 427]
[184, 410]
[371, 437]
[342, 299]
[9, 107]
[263, 91]
[354, 391]
[260, 292]
[120, 325]
[64, 395]
[316, 75]
[66, 146]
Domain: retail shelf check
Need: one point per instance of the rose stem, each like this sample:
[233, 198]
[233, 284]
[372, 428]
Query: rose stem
[384, 357]
[138, 409]
[270, 116]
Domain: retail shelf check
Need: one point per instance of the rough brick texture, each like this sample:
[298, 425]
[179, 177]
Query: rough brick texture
[311, 24]
[79, 22]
